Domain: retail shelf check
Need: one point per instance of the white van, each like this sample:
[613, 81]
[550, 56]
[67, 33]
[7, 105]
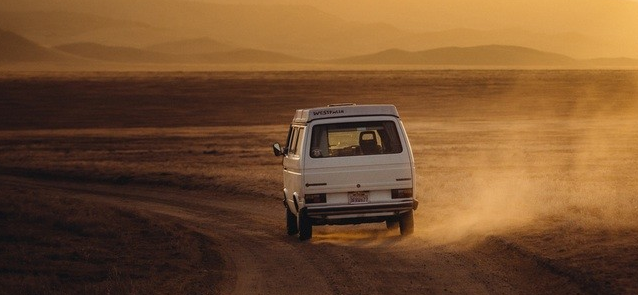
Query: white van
[347, 164]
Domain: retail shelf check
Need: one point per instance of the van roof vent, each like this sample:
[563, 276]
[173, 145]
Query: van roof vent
[344, 110]
[342, 104]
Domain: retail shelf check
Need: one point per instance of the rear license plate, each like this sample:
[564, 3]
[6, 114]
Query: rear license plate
[358, 197]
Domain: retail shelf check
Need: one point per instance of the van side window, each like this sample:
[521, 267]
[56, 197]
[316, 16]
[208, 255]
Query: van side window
[355, 139]
[288, 137]
[299, 142]
[293, 141]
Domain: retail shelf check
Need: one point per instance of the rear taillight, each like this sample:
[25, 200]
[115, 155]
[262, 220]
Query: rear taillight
[315, 198]
[405, 193]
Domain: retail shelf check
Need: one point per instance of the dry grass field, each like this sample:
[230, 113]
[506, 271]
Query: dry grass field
[526, 179]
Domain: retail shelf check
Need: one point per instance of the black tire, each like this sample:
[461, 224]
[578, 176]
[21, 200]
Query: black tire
[291, 223]
[406, 223]
[391, 224]
[305, 225]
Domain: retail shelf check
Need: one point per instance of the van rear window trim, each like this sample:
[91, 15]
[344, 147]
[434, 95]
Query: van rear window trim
[395, 140]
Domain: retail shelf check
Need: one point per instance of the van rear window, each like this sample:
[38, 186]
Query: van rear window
[355, 139]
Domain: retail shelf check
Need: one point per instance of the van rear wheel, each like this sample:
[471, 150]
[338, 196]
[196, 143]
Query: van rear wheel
[291, 223]
[406, 223]
[305, 225]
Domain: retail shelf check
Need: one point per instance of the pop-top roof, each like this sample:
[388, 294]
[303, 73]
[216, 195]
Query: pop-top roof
[344, 110]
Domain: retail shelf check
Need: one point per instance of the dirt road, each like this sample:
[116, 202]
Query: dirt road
[363, 259]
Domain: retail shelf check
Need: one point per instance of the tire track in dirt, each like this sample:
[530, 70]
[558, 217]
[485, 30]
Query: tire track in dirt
[252, 249]
[363, 259]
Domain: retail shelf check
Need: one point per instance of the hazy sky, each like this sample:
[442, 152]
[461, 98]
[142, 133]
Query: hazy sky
[598, 17]
[593, 17]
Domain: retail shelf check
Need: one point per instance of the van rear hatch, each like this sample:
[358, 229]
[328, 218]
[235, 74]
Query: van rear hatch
[357, 161]
[358, 190]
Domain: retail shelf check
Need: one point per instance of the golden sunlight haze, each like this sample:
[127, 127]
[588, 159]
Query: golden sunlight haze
[597, 33]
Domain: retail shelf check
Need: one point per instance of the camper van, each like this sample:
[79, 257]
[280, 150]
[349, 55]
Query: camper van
[347, 164]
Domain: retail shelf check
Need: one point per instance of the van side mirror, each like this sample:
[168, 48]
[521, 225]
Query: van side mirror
[277, 150]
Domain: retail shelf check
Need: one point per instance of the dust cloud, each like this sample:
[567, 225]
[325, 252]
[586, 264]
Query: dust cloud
[481, 178]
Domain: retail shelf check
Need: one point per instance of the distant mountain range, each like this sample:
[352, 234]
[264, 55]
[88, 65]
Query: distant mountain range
[296, 30]
[115, 53]
[489, 55]
[134, 55]
[17, 49]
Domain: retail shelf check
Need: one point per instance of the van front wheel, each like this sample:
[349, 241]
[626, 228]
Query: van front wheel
[291, 223]
[305, 225]
[406, 223]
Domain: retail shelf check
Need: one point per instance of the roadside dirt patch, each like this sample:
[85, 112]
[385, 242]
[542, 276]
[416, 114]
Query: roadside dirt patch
[602, 259]
[52, 244]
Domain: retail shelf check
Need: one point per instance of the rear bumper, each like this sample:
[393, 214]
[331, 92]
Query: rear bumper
[394, 208]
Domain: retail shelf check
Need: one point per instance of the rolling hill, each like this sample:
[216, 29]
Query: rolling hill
[488, 55]
[115, 53]
[15, 48]
[134, 55]
[572, 44]
[191, 46]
